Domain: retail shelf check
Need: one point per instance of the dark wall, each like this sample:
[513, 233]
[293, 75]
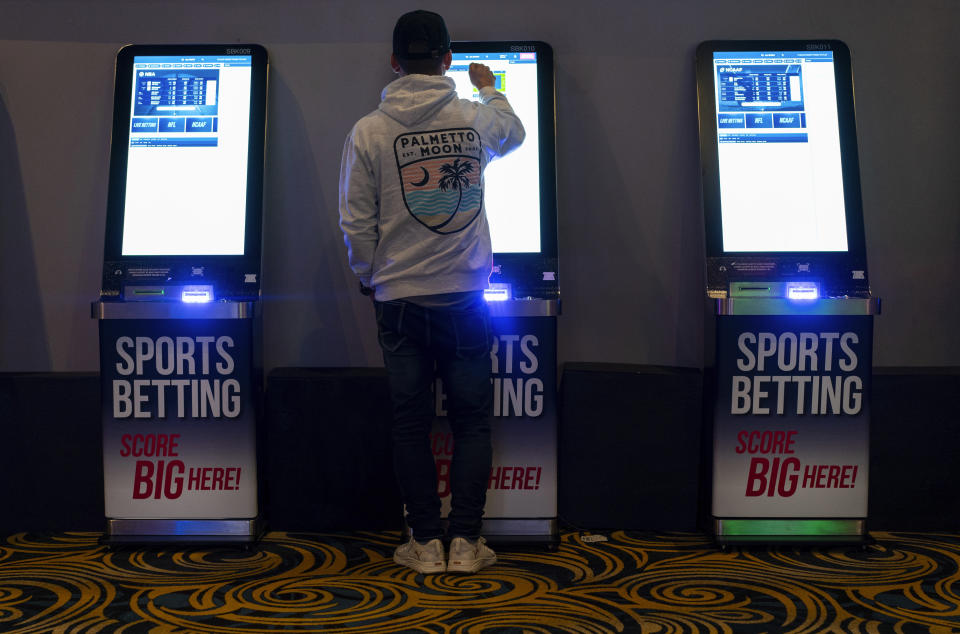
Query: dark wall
[629, 446]
[23, 342]
[915, 447]
[51, 458]
[327, 451]
[630, 226]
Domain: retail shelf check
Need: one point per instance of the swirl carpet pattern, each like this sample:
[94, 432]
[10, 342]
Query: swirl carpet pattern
[633, 582]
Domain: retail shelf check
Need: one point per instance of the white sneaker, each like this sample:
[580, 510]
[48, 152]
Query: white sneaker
[424, 558]
[470, 557]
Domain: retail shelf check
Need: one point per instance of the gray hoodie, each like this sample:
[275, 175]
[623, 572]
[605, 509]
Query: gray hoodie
[411, 187]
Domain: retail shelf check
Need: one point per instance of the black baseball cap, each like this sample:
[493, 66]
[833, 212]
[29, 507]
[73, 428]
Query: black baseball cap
[420, 35]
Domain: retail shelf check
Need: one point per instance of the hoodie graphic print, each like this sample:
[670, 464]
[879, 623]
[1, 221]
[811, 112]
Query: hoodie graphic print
[440, 177]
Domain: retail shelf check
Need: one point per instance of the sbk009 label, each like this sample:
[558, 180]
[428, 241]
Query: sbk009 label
[440, 176]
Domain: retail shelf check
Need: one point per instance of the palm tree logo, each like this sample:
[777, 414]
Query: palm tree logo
[454, 176]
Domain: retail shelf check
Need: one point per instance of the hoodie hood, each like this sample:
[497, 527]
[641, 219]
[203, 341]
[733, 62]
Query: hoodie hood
[414, 98]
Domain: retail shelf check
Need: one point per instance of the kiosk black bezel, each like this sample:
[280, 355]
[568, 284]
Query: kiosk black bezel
[841, 273]
[522, 268]
[226, 271]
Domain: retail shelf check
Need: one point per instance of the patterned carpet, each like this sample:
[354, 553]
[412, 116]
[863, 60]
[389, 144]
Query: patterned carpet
[634, 582]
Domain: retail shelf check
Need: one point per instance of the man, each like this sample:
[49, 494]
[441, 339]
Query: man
[411, 210]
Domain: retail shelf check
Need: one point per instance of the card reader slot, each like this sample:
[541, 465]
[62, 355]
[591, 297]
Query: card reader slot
[753, 290]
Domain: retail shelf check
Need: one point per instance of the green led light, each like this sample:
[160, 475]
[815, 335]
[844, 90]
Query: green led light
[756, 305]
[789, 528]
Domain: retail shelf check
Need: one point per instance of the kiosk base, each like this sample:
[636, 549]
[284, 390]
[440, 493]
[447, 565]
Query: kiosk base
[790, 531]
[543, 531]
[166, 531]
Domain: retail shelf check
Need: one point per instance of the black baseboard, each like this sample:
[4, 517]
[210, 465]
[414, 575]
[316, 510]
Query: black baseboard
[629, 446]
[914, 449]
[326, 451]
[51, 456]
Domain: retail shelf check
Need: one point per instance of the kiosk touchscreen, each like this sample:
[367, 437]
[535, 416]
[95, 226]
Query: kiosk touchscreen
[780, 170]
[186, 173]
[520, 188]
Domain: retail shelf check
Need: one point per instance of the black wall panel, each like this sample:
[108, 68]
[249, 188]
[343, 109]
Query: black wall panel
[629, 453]
[51, 457]
[326, 451]
[915, 449]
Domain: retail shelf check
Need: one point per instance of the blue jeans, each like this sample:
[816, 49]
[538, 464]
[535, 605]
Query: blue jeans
[415, 340]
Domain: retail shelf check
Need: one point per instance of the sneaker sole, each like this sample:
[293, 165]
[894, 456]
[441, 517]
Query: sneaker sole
[470, 566]
[423, 567]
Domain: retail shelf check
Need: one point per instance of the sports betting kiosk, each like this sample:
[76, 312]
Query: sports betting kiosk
[519, 195]
[787, 272]
[181, 281]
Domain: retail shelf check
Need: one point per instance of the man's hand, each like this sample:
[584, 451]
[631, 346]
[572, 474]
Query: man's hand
[481, 76]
